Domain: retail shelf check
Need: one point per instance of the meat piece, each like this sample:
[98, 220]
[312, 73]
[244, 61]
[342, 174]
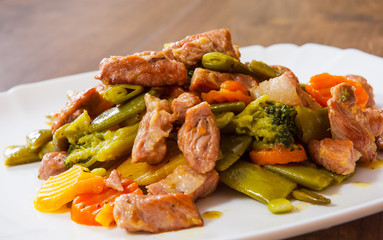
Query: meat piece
[379, 142]
[191, 49]
[204, 80]
[186, 180]
[182, 103]
[149, 145]
[348, 121]
[281, 69]
[366, 86]
[90, 100]
[375, 118]
[284, 89]
[151, 69]
[52, 164]
[335, 155]
[156, 213]
[199, 138]
[114, 181]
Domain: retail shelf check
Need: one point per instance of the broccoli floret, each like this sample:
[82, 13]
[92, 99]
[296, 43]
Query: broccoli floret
[269, 122]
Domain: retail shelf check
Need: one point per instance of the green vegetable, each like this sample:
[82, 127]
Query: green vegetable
[232, 148]
[268, 122]
[118, 114]
[263, 71]
[235, 107]
[312, 124]
[304, 175]
[306, 195]
[221, 62]
[99, 171]
[122, 92]
[37, 139]
[16, 155]
[280, 205]
[101, 147]
[256, 181]
[223, 119]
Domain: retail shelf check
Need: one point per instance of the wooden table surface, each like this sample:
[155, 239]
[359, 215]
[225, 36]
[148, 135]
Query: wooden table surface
[43, 39]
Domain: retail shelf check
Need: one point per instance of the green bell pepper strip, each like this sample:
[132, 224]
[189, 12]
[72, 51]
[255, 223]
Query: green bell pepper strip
[122, 92]
[312, 124]
[306, 195]
[232, 148]
[118, 114]
[304, 175]
[256, 182]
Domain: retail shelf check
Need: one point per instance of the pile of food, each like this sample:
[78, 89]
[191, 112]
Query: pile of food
[163, 129]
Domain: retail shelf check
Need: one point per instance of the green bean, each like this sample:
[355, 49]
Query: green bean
[221, 62]
[37, 139]
[235, 107]
[122, 92]
[256, 182]
[232, 147]
[118, 114]
[312, 124]
[304, 175]
[338, 178]
[280, 205]
[16, 155]
[223, 119]
[263, 71]
[306, 195]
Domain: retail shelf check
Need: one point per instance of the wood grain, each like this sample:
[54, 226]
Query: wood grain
[42, 39]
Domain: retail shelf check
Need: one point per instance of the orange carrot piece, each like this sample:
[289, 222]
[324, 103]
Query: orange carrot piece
[230, 91]
[278, 155]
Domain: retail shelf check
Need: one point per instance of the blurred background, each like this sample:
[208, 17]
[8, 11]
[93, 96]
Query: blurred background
[43, 39]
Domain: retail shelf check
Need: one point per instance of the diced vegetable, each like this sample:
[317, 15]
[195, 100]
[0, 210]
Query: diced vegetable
[278, 155]
[256, 182]
[280, 205]
[230, 91]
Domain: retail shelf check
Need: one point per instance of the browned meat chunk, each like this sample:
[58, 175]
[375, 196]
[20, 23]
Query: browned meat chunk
[375, 117]
[186, 180]
[182, 103]
[156, 213]
[366, 86]
[52, 164]
[348, 121]
[335, 155]
[90, 100]
[199, 138]
[379, 142]
[155, 126]
[191, 49]
[114, 181]
[150, 69]
[204, 80]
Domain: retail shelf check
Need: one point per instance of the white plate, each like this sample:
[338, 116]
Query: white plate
[23, 109]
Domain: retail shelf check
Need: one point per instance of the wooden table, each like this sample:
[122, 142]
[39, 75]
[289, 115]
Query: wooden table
[42, 39]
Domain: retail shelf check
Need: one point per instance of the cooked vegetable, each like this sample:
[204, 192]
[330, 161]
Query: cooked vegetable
[256, 181]
[270, 123]
[280, 205]
[235, 107]
[306, 195]
[230, 91]
[232, 148]
[278, 155]
[319, 87]
[263, 71]
[63, 188]
[120, 93]
[16, 155]
[37, 139]
[221, 62]
[223, 119]
[118, 114]
[304, 175]
[312, 124]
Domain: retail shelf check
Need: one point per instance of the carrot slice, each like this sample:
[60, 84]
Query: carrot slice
[320, 85]
[230, 91]
[278, 155]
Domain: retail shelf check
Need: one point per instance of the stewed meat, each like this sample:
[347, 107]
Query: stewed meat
[52, 164]
[149, 145]
[199, 138]
[114, 181]
[151, 69]
[348, 121]
[182, 103]
[186, 180]
[375, 118]
[204, 80]
[156, 213]
[335, 155]
[191, 49]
